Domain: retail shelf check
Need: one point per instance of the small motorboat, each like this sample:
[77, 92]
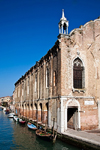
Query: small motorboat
[15, 118]
[31, 126]
[21, 121]
[11, 115]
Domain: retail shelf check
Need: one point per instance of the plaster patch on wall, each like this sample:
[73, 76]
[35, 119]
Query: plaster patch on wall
[89, 103]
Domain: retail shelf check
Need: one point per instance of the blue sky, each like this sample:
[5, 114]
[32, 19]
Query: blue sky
[29, 28]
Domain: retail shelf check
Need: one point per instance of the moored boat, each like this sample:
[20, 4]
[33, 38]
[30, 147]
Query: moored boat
[21, 121]
[43, 134]
[4, 110]
[16, 118]
[31, 126]
[7, 111]
[11, 115]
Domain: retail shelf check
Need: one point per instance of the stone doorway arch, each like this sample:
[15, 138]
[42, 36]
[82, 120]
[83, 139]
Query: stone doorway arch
[72, 114]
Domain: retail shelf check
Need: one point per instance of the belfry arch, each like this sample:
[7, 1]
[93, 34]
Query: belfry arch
[72, 114]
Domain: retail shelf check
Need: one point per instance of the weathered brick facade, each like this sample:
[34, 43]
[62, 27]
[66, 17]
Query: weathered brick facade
[47, 90]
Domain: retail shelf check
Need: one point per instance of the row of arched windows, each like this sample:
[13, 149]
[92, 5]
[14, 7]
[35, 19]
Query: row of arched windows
[78, 75]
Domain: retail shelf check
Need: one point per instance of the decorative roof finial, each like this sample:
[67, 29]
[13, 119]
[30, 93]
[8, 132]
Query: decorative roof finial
[62, 13]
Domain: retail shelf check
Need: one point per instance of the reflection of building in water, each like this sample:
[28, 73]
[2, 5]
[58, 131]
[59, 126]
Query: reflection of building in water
[64, 84]
[23, 138]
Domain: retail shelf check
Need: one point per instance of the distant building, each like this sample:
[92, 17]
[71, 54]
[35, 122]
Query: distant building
[6, 100]
[63, 86]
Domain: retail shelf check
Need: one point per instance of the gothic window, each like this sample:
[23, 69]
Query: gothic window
[28, 82]
[28, 87]
[22, 88]
[18, 92]
[35, 83]
[78, 74]
[54, 78]
[47, 77]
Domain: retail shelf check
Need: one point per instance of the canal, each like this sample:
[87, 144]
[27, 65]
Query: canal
[13, 136]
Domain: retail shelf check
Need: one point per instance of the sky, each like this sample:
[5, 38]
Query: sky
[29, 28]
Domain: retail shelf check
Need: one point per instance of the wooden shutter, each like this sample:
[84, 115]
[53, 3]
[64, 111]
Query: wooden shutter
[77, 76]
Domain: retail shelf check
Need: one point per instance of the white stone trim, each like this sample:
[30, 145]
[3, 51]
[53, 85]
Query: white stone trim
[65, 127]
[80, 59]
[83, 83]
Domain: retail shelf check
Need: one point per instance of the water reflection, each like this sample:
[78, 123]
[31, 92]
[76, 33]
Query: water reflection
[13, 136]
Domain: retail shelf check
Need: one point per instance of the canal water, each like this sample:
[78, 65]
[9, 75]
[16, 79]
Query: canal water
[13, 136]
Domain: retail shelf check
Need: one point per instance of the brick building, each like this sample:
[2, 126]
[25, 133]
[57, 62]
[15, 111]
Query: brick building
[64, 84]
[7, 100]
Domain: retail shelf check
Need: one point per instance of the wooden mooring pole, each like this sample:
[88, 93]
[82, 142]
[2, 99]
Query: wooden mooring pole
[54, 135]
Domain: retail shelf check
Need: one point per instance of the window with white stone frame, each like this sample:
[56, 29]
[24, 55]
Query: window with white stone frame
[78, 74]
[35, 83]
[28, 87]
[54, 78]
[18, 92]
[47, 77]
[22, 88]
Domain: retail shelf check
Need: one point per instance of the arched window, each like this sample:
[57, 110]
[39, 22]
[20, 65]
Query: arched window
[28, 86]
[35, 83]
[47, 77]
[78, 74]
[22, 88]
[54, 78]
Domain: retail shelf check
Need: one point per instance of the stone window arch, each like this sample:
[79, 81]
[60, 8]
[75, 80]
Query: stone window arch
[78, 74]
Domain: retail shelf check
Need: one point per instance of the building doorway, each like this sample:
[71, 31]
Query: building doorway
[72, 117]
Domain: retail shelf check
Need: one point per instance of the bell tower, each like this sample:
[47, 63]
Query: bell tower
[63, 24]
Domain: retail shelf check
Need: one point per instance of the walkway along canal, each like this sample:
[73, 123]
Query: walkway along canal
[86, 140]
[13, 136]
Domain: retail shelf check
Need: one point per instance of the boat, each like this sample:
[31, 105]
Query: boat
[7, 111]
[11, 115]
[21, 121]
[43, 134]
[4, 110]
[16, 118]
[31, 126]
